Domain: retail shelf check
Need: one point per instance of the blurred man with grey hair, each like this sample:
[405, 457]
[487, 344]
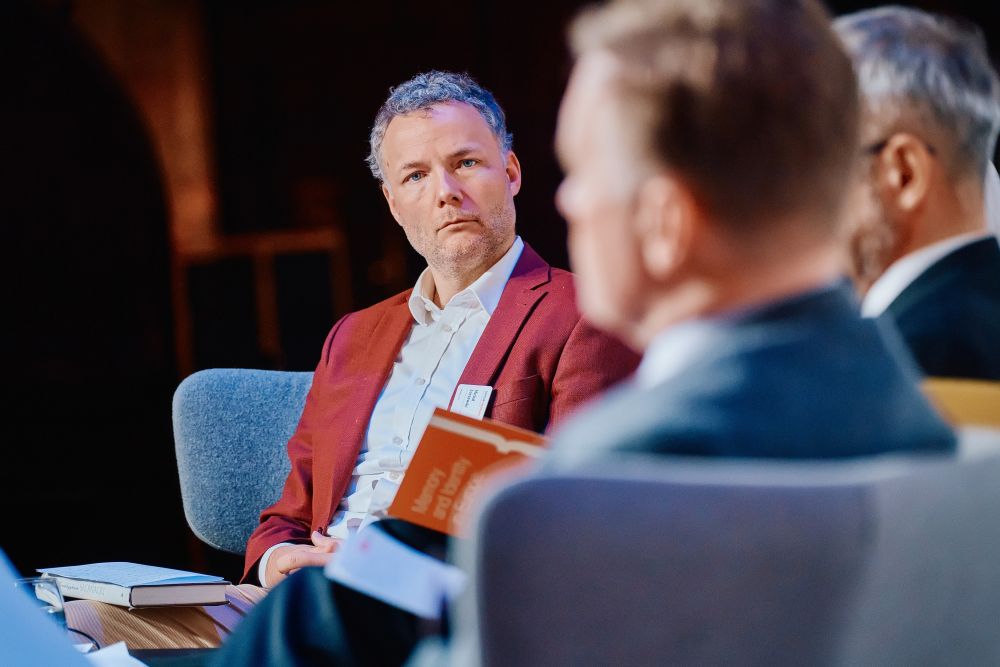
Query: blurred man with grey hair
[920, 247]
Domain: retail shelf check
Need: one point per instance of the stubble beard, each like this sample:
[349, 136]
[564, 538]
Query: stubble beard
[459, 259]
[870, 241]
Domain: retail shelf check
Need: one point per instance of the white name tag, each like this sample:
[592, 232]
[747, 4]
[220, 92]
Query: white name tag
[471, 400]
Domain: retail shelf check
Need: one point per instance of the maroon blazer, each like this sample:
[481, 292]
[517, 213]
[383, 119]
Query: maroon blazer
[540, 358]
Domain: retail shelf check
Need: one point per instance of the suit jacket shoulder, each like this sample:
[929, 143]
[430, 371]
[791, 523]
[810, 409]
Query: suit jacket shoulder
[808, 379]
[950, 315]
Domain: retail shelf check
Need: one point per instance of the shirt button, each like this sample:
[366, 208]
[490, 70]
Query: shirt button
[394, 475]
[420, 381]
[397, 440]
[446, 328]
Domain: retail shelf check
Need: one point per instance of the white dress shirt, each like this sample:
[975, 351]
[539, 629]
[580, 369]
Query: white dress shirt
[672, 350]
[991, 199]
[905, 270]
[423, 377]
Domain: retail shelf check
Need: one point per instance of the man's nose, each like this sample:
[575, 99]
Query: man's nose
[449, 190]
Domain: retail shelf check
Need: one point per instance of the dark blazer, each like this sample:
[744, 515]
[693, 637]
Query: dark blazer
[539, 356]
[950, 315]
[803, 378]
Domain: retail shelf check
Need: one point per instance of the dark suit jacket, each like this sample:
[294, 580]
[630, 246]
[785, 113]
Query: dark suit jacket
[950, 315]
[541, 359]
[803, 378]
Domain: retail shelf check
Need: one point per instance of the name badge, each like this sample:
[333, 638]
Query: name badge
[471, 400]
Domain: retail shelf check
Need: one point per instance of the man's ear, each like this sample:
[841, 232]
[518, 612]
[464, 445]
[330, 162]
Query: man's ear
[904, 175]
[389, 199]
[513, 169]
[665, 218]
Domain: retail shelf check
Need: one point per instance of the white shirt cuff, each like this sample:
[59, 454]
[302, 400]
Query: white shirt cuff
[262, 568]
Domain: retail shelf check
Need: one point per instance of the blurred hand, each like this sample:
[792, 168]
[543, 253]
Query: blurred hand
[287, 559]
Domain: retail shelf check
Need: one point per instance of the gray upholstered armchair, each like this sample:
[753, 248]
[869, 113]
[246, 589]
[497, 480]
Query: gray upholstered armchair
[230, 431]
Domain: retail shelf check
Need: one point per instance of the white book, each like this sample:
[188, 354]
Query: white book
[134, 585]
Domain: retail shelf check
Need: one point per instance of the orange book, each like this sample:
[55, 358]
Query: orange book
[453, 458]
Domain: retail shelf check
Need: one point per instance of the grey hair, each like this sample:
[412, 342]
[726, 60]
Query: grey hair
[907, 58]
[424, 91]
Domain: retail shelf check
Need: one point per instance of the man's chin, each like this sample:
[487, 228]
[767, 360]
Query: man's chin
[458, 252]
[462, 239]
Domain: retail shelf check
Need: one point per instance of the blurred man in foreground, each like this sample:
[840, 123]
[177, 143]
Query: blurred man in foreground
[707, 146]
[921, 250]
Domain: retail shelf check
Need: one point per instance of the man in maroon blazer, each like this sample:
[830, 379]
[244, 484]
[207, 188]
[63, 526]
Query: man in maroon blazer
[441, 151]
[488, 313]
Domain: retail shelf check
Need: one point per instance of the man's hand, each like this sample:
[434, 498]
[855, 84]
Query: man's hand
[285, 560]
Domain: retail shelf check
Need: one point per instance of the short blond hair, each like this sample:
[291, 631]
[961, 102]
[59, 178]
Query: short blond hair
[753, 103]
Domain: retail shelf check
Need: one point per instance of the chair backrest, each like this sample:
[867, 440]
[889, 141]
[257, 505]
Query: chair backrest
[966, 402]
[650, 561]
[230, 431]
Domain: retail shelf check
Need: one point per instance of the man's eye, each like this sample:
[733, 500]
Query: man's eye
[469, 162]
[414, 177]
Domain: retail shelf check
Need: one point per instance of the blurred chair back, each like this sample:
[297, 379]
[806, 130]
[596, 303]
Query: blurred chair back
[654, 561]
[230, 431]
[966, 402]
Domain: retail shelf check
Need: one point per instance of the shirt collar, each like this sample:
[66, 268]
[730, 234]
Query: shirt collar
[677, 347]
[672, 349]
[484, 292]
[905, 270]
[991, 195]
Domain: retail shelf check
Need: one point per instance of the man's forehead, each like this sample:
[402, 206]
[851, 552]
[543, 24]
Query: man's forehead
[587, 104]
[444, 118]
[440, 128]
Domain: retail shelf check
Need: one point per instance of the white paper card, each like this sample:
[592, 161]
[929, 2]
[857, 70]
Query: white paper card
[115, 655]
[471, 400]
[384, 568]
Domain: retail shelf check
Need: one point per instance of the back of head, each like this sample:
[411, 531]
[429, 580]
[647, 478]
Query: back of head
[752, 103]
[930, 75]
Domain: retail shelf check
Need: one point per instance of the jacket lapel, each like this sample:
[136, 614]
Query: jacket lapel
[384, 345]
[957, 266]
[380, 351]
[523, 290]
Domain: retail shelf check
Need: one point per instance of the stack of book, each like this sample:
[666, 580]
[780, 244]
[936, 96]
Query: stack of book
[134, 585]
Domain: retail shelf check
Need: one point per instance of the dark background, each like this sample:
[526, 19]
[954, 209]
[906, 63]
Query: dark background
[88, 471]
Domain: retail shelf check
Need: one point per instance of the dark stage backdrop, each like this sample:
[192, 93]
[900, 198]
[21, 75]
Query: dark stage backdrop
[88, 470]
[298, 83]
